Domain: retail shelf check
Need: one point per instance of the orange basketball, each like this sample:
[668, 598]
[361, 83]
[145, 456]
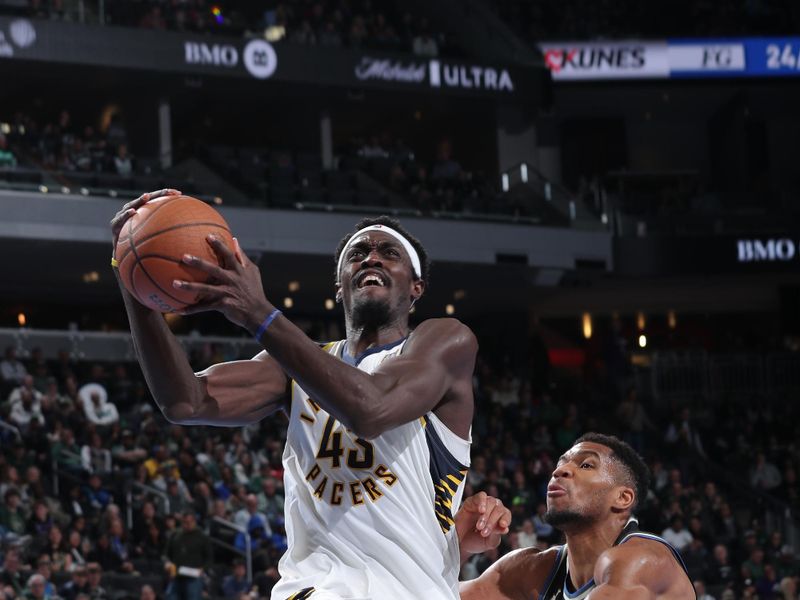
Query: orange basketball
[152, 242]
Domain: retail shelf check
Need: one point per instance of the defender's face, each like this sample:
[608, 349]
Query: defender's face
[582, 485]
[377, 269]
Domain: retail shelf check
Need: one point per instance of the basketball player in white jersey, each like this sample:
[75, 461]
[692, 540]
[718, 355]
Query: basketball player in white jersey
[591, 497]
[379, 423]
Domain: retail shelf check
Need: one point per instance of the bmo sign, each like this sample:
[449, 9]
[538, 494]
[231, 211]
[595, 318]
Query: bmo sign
[218, 55]
[765, 250]
[258, 56]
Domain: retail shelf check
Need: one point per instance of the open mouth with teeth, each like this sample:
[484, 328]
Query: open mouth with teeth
[371, 279]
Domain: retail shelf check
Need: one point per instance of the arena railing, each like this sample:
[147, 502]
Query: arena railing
[147, 490]
[248, 552]
[111, 346]
[719, 377]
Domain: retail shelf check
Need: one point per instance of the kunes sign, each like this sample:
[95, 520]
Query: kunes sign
[611, 60]
[439, 75]
[766, 250]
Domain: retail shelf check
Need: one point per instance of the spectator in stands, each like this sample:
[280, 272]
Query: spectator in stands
[527, 535]
[122, 161]
[700, 590]
[544, 531]
[116, 134]
[36, 588]
[424, 44]
[97, 496]
[235, 584]
[147, 593]
[58, 550]
[44, 568]
[127, 454]
[768, 585]
[676, 534]
[96, 407]
[12, 576]
[249, 513]
[445, 170]
[40, 521]
[12, 371]
[189, 554]
[26, 407]
[753, 567]
[78, 584]
[764, 475]
[67, 453]
[94, 575]
[12, 516]
[78, 549]
[270, 500]
[94, 457]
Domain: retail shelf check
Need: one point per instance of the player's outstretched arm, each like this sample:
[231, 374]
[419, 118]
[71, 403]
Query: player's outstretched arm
[235, 393]
[638, 570]
[519, 575]
[434, 371]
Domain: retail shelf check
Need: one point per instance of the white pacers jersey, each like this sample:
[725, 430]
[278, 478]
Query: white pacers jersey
[370, 520]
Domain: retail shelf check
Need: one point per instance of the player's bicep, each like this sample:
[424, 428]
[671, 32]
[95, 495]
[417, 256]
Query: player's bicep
[437, 356]
[485, 587]
[241, 392]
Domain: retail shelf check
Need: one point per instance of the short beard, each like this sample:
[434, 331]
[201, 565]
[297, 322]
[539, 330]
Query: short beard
[371, 314]
[565, 519]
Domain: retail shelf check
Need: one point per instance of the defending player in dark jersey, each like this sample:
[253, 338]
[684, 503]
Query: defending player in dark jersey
[593, 492]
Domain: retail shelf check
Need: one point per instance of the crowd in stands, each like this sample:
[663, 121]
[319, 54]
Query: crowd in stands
[138, 505]
[386, 26]
[61, 144]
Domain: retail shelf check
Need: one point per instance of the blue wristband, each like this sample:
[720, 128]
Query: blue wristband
[266, 323]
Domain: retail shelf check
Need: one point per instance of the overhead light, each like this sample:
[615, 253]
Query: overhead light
[641, 321]
[217, 200]
[587, 325]
[274, 33]
[288, 302]
[65, 189]
[642, 341]
[294, 286]
[329, 304]
[459, 294]
[43, 189]
[450, 309]
[672, 319]
[91, 277]
[22, 319]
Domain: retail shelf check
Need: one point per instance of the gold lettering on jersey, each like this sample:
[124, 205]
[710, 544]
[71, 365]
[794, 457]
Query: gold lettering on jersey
[355, 493]
[336, 493]
[314, 406]
[313, 473]
[383, 472]
[307, 418]
[321, 488]
[372, 488]
[360, 489]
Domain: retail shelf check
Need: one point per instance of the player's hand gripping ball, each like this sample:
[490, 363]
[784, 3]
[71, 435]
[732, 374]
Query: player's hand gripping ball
[153, 241]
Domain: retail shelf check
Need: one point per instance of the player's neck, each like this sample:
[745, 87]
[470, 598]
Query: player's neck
[359, 340]
[585, 545]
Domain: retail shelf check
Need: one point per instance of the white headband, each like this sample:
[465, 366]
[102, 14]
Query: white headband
[412, 254]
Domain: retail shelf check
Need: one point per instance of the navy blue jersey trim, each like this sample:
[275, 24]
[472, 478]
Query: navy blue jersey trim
[354, 361]
[655, 538]
[447, 474]
[553, 573]
[579, 591]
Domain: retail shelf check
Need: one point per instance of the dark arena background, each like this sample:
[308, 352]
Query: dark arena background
[609, 193]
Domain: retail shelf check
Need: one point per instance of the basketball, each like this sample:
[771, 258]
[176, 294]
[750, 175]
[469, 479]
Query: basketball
[152, 242]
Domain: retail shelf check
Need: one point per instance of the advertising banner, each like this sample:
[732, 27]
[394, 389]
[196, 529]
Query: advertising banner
[256, 59]
[676, 58]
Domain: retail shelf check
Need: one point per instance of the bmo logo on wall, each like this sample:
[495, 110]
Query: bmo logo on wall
[767, 250]
[258, 56]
